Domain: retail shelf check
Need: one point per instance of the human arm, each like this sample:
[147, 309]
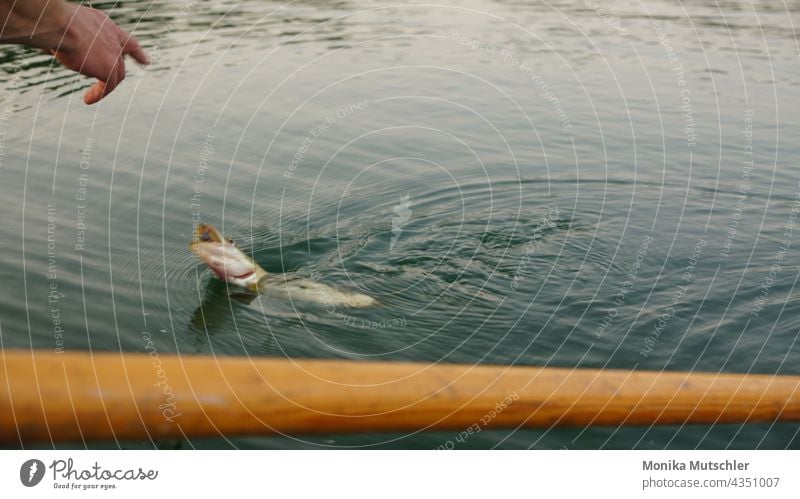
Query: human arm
[83, 39]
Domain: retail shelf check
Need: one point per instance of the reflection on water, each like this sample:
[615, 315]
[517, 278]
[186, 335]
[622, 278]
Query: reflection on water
[514, 182]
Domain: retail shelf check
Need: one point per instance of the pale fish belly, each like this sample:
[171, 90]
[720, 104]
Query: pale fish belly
[230, 264]
[228, 261]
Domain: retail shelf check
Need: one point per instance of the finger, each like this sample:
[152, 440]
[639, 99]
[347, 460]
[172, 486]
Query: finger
[116, 76]
[132, 48]
[95, 93]
[120, 67]
[103, 88]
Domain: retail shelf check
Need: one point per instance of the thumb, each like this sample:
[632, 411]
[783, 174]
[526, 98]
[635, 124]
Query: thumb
[95, 93]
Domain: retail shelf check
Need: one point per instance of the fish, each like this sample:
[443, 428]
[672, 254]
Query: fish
[225, 259]
[230, 264]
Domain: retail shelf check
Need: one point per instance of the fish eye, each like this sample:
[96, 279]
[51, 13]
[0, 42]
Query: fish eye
[205, 236]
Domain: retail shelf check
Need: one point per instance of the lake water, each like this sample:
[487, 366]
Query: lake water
[572, 184]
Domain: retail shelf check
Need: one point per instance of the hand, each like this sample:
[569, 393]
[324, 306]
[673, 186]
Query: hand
[95, 46]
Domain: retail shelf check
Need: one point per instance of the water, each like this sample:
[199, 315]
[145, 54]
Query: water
[517, 183]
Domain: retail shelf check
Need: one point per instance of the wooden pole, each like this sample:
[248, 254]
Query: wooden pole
[71, 396]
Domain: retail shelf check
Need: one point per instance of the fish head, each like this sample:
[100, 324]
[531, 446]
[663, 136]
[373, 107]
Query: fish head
[222, 256]
[211, 247]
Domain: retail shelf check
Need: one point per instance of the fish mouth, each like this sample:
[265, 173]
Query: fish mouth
[207, 234]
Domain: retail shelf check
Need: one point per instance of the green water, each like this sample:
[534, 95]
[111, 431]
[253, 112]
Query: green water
[517, 183]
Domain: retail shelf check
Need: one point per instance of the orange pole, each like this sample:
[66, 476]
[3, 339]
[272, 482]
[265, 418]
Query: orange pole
[71, 396]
